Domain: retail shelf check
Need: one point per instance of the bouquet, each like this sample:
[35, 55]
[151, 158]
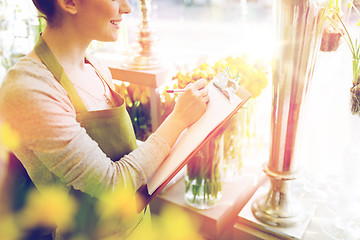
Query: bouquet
[206, 169]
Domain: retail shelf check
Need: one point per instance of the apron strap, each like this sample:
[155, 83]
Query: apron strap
[100, 74]
[117, 97]
[50, 61]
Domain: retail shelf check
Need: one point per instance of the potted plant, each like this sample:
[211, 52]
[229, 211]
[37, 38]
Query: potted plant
[331, 36]
[355, 51]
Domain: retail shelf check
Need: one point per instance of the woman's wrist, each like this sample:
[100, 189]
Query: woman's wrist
[177, 122]
[171, 129]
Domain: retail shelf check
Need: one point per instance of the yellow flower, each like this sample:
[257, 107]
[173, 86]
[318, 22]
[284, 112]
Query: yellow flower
[174, 223]
[196, 75]
[184, 80]
[9, 228]
[136, 94]
[220, 65]
[204, 66]
[52, 205]
[145, 94]
[210, 74]
[144, 99]
[121, 89]
[120, 204]
[252, 76]
[128, 101]
[256, 83]
[147, 232]
[8, 137]
[238, 65]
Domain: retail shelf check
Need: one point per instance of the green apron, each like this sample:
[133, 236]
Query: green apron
[110, 128]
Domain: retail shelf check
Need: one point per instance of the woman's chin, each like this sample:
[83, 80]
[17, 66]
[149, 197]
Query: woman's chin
[109, 38]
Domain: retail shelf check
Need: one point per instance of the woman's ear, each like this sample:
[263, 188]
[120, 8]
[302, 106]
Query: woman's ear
[69, 6]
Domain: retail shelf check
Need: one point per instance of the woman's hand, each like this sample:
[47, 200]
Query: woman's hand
[190, 106]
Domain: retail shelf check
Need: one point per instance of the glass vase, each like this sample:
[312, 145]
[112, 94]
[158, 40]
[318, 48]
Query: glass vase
[235, 142]
[298, 29]
[203, 177]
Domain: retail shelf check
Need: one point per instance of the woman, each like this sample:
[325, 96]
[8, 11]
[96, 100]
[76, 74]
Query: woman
[74, 128]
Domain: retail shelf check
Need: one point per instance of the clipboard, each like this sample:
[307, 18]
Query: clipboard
[219, 110]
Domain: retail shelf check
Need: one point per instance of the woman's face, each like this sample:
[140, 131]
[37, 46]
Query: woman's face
[100, 19]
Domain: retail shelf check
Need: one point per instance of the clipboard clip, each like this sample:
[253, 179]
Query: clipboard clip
[225, 84]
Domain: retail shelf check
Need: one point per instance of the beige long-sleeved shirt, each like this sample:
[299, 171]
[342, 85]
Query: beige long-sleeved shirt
[53, 144]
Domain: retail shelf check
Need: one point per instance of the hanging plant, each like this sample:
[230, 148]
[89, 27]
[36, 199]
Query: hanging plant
[354, 46]
[331, 37]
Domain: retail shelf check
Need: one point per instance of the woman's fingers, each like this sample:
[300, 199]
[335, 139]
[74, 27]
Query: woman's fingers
[202, 91]
[204, 94]
[206, 98]
[199, 84]
[192, 103]
[198, 88]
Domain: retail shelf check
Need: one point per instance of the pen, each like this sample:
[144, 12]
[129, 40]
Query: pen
[175, 90]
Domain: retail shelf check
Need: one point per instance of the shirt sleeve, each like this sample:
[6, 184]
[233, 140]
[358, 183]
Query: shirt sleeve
[38, 108]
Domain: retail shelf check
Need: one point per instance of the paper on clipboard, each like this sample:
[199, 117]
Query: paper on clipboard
[218, 110]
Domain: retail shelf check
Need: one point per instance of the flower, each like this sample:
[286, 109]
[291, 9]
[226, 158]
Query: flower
[112, 204]
[53, 206]
[172, 223]
[251, 76]
[9, 228]
[9, 138]
[137, 99]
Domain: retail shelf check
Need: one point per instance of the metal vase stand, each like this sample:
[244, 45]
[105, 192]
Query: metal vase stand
[145, 57]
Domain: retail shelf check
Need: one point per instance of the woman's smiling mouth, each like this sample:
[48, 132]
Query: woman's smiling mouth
[116, 23]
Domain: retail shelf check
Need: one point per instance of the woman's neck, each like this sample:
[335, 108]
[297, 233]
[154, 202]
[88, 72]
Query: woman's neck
[68, 47]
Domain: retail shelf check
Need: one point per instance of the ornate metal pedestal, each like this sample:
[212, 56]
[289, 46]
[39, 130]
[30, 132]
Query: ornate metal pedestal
[279, 207]
[251, 225]
[145, 58]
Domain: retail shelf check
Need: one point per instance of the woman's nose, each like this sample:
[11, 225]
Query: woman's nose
[125, 7]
